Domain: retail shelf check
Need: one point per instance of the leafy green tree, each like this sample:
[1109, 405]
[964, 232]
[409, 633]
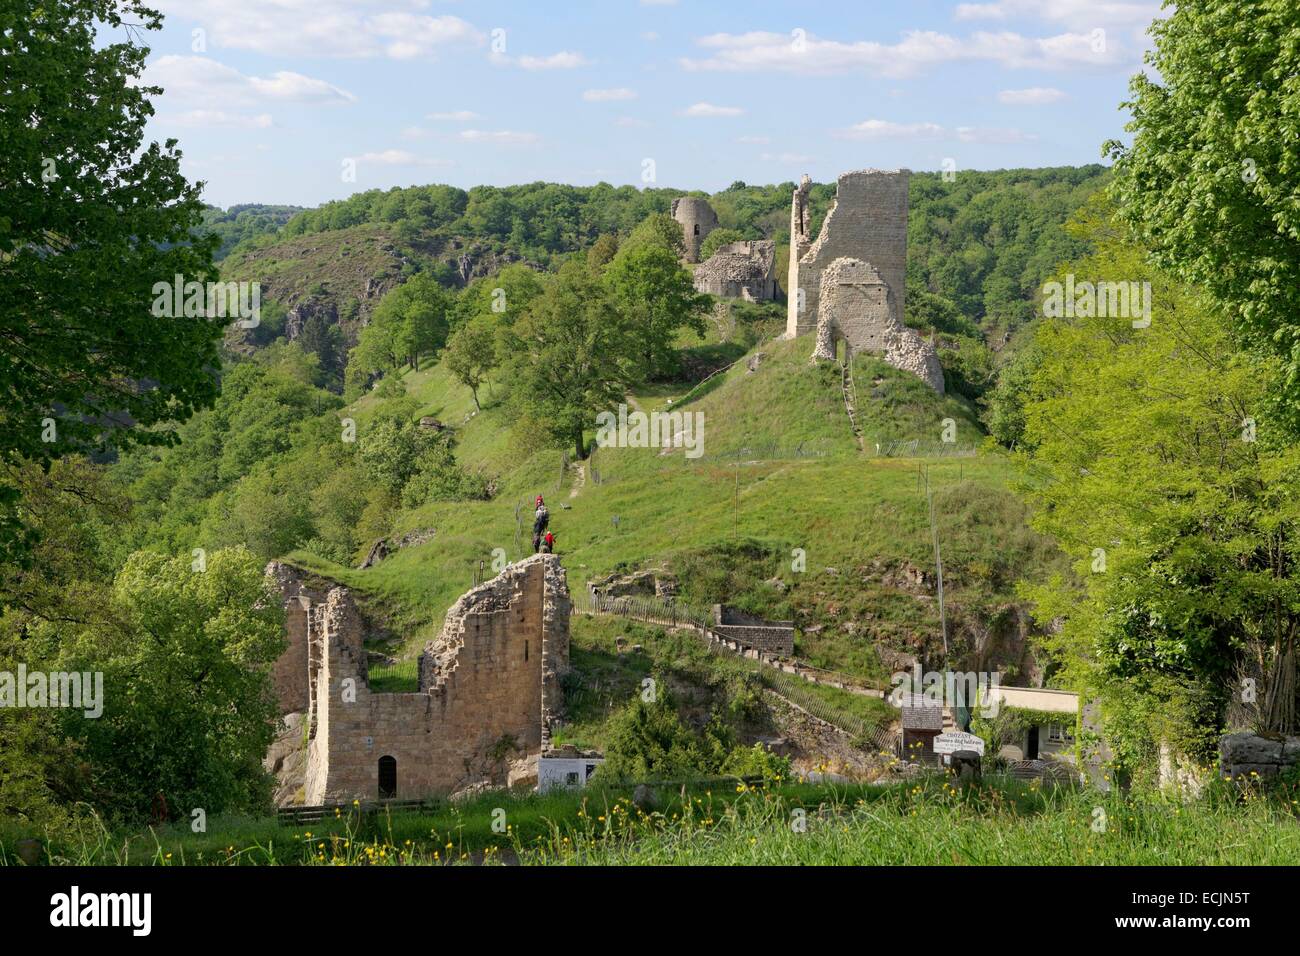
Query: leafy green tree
[1149, 464]
[661, 230]
[471, 354]
[656, 297]
[602, 251]
[1209, 181]
[91, 217]
[648, 741]
[189, 707]
[503, 297]
[569, 357]
[410, 320]
[718, 238]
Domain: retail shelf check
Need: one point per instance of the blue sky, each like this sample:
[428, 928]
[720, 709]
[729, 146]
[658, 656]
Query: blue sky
[269, 98]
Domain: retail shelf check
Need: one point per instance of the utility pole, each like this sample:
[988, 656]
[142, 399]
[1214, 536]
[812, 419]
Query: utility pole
[735, 520]
[938, 564]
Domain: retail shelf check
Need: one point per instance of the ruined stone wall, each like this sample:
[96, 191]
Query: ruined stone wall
[492, 674]
[740, 270]
[1247, 755]
[867, 221]
[855, 306]
[290, 673]
[772, 637]
[697, 220]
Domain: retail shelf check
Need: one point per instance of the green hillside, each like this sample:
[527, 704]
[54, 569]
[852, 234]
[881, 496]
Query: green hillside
[779, 471]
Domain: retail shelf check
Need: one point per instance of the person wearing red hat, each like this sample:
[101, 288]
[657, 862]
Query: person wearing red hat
[541, 519]
[548, 544]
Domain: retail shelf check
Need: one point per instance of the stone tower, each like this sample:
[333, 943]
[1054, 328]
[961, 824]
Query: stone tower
[867, 221]
[697, 220]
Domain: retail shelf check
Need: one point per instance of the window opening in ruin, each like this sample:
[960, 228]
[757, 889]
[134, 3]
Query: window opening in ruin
[387, 777]
[525, 650]
[697, 228]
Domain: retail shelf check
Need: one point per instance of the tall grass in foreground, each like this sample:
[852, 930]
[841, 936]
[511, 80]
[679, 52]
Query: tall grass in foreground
[922, 825]
[927, 821]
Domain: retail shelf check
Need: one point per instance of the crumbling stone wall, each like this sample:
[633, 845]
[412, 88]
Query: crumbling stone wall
[291, 673]
[491, 678]
[855, 305]
[697, 220]
[740, 270]
[772, 637]
[867, 221]
[1247, 755]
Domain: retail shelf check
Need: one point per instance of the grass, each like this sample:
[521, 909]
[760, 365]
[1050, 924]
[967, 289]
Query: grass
[857, 514]
[927, 821]
[605, 680]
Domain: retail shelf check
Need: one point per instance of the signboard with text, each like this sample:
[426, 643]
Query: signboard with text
[953, 741]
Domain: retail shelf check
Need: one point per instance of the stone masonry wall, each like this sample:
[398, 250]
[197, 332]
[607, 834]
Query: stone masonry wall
[772, 637]
[697, 220]
[1246, 755]
[855, 305]
[492, 675]
[290, 673]
[867, 221]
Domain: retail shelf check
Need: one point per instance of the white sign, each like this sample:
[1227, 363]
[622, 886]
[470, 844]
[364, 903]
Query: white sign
[953, 741]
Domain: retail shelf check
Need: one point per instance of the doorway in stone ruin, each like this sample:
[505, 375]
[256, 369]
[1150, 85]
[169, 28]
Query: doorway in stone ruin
[387, 778]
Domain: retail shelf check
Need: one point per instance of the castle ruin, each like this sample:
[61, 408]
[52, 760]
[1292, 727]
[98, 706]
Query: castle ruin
[697, 219]
[488, 685]
[849, 283]
[740, 270]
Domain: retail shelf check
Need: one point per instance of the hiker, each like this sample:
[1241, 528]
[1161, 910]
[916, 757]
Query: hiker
[548, 544]
[541, 519]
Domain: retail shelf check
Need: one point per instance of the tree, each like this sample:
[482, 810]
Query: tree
[660, 229]
[91, 217]
[189, 707]
[1148, 465]
[504, 296]
[471, 354]
[657, 298]
[410, 320]
[1208, 184]
[717, 239]
[569, 356]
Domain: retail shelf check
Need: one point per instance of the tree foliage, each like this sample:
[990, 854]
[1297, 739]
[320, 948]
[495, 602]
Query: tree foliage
[91, 217]
[1210, 181]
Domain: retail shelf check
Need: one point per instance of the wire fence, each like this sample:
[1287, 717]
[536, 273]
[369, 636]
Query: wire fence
[797, 687]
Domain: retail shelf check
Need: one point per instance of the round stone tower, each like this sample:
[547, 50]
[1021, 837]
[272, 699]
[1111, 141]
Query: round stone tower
[697, 219]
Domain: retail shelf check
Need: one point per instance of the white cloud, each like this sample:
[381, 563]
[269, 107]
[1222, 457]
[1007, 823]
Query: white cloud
[1074, 14]
[216, 119]
[1033, 96]
[876, 129]
[564, 60]
[884, 129]
[338, 28]
[297, 88]
[650, 36]
[630, 122]
[708, 109]
[202, 79]
[754, 140]
[788, 159]
[399, 157]
[504, 136]
[457, 116]
[776, 53]
[607, 96]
